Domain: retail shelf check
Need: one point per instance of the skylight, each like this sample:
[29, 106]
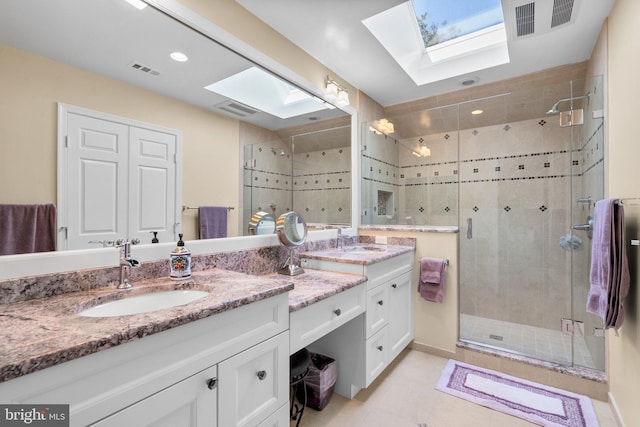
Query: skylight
[440, 21]
[265, 92]
[435, 40]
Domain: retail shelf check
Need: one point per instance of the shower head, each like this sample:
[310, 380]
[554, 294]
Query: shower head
[554, 110]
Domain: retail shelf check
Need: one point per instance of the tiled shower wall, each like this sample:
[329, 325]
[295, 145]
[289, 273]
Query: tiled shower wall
[515, 188]
[267, 179]
[322, 186]
[319, 188]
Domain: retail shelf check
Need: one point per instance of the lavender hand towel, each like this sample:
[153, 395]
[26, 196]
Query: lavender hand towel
[27, 229]
[609, 275]
[213, 221]
[432, 279]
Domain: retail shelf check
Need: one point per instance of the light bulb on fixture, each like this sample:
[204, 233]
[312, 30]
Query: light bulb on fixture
[343, 98]
[332, 90]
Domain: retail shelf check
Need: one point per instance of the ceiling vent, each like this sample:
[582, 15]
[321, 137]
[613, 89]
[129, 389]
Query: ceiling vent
[148, 70]
[236, 108]
[562, 10]
[525, 19]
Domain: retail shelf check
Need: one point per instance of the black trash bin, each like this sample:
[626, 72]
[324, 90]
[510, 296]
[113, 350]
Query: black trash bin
[320, 381]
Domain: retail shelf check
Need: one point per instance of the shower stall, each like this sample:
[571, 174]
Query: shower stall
[519, 174]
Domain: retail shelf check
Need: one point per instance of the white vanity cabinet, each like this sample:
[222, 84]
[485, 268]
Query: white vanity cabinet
[191, 402]
[230, 369]
[366, 345]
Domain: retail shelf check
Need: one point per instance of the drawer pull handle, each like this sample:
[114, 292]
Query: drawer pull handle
[380, 347]
[337, 312]
[394, 286]
[261, 375]
[212, 383]
[380, 302]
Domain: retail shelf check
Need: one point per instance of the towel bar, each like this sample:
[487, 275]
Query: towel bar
[184, 208]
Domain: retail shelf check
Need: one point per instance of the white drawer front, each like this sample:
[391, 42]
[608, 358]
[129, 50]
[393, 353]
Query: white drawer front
[377, 309]
[377, 355]
[385, 270]
[254, 383]
[322, 317]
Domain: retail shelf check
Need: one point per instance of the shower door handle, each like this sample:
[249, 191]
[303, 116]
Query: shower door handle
[469, 228]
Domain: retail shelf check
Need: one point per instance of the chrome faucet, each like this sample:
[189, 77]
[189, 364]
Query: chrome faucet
[126, 263]
[340, 240]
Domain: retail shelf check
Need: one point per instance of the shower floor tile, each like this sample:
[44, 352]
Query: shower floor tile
[540, 343]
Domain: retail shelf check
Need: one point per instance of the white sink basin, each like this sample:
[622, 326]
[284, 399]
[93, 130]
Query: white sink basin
[144, 303]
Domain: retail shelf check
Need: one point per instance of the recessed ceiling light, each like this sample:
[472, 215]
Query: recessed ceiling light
[179, 56]
[476, 112]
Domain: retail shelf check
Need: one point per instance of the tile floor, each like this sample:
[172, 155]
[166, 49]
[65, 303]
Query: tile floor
[405, 396]
[544, 344]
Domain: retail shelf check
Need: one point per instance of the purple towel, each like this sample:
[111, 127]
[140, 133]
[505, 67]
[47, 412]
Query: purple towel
[432, 279]
[609, 275]
[213, 221]
[27, 229]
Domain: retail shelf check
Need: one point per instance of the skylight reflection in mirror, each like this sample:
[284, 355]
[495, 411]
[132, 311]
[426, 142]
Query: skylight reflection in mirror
[440, 21]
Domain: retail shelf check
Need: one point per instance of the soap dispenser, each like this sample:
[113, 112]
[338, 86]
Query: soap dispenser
[180, 261]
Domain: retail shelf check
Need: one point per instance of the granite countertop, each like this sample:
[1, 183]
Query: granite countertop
[51, 332]
[364, 254]
[40, 333]
[316, 285]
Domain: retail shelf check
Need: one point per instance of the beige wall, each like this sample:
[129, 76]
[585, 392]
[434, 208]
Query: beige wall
[30, 88]
[436, 324]
[623, 181]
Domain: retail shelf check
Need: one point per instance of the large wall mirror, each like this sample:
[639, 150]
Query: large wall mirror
[113, 58]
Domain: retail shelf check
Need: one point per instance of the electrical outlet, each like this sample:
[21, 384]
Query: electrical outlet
[381, 240]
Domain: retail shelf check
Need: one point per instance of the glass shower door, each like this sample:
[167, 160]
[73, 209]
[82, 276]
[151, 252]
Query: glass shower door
[587, 187]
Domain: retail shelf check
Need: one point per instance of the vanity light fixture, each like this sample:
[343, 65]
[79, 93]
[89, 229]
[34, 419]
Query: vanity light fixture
[179, 56]
[382, 126]
[476, 112]
[336, 92]
[138, 4]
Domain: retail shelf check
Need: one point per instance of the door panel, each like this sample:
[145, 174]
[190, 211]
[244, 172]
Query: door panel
[152, 186]
[96, 179]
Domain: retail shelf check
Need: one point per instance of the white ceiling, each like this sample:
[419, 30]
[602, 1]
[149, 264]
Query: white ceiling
[106, 37]
[332, 31]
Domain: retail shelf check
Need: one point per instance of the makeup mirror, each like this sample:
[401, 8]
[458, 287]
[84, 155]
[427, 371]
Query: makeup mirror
[292, 232]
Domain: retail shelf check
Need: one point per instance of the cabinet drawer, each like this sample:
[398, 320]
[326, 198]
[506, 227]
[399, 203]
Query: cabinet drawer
[322, 317]
[377, 309]
[255, 383]
[388, 269]
[377, 355]
[280, 418]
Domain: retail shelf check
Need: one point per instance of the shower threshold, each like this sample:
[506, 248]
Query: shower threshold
[578, 371]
